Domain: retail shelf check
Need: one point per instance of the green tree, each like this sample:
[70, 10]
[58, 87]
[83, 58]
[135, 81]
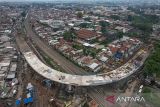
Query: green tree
[69, 36]
[83, 25]
[76, 46]
[79, 14]
[23, 14]
[86, 105]
[120, 34]
[93, 54]
[145, 27]
[129, 18]
[85, 51]
[103, 25]
[152, 65]
[115, 17]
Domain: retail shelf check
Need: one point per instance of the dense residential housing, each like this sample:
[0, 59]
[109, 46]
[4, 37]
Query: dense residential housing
[79, 54]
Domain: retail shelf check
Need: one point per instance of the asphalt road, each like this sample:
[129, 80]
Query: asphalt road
[96, 93]
[66, 65]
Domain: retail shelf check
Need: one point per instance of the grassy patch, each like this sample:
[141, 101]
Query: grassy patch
[151, 97]
[52, 64]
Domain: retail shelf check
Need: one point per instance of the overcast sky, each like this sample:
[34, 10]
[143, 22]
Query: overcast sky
[81, 0]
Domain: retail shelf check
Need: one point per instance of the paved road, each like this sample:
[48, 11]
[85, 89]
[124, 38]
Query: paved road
[96, 93]
[66, 65]
[129, 93]
[69, 67]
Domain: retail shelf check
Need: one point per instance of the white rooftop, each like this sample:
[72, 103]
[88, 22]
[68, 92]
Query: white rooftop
[93, 65]
[103, 58]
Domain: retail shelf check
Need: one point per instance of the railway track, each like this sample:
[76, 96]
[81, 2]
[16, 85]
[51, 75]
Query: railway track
[68, 66]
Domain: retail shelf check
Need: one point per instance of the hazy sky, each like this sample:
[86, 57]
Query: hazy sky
[81, 0]
[54, 0]
[47, 0]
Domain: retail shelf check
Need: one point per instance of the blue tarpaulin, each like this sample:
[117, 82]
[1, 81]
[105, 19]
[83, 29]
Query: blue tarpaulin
[18, 102]
[118, 55]
[28, 100]
[25, 101]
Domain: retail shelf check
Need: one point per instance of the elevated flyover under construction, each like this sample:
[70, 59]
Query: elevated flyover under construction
[84, 80]
[80, 80]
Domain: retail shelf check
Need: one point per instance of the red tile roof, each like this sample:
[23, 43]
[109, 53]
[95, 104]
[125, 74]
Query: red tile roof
[86, 34]
[113, 49]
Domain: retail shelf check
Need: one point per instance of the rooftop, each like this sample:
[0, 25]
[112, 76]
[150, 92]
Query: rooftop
[86, 34]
